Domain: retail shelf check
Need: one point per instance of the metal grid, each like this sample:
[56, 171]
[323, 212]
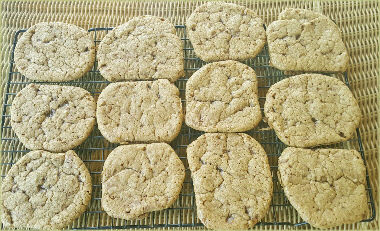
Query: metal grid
[182, 213]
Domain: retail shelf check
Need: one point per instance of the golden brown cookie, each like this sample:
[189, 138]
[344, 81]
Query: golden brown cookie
[52, 117]
[232, 180]
[222, 31]
[303, 40]
[222, 97]
[144, 111]
[325, 186]
[54, 52]
[45, 190]
[141, 178]
[311, 109]
[144, 48]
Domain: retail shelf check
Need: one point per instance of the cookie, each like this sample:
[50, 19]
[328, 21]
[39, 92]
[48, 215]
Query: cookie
[232, 180]
[222, 31]
[141, 178]
[54, 52]
[144, 111]
[303, 40]
[144, 48]
[325, 186]
[311, 109]
[45, 190]
[222, 97]
[51, 117]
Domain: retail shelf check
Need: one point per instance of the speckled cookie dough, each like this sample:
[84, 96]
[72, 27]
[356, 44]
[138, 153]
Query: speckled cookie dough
[141, 178]
[144, 48]
[303, 40]
[222, 31]
[325, 186]
[51, 117]
[222, 97]
[144, 111]
[55, 52]
[311, 109]
[232, 180]
[45, 190]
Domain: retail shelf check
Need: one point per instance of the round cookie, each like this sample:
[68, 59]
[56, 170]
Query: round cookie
[142, 111]
[45, 190]
[144, 48]
[223, 97]
[222, 31]
[325, 186]
[51, 117]
[232, 180]
[55, 52]
[311, 109]
[141, 178]
[303, 40]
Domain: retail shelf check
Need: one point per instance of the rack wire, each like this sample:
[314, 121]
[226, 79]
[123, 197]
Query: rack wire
[182, 213]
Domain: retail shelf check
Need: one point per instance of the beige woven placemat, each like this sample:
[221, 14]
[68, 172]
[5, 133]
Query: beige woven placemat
[358, 20]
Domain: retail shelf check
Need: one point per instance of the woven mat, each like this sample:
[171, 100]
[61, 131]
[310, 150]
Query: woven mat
[358, 20]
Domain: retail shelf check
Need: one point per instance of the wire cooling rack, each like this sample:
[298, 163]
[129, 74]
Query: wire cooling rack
[182, 213]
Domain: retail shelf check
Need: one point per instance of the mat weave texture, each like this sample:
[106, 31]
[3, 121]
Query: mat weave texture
[358, 21]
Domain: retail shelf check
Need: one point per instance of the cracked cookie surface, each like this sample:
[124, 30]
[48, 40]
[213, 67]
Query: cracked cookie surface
[311, 109]
[141, 178]
[51, 117]
[45, 190]
[325, 186]
[232, 180]
[302, 40]
[221, 31]
[144, 48]
[223, 97]
[55, 52]
[144, 111]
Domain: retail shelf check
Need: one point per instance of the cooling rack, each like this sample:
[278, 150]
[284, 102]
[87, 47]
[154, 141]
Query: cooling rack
[182, 213]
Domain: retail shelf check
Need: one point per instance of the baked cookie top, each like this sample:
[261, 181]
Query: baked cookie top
[51, 117]
[302, 40]
[54, 52]
[232, 180]
[144, 111]
[311, 109]
[221, 31]
[148, 24]
[45, 190]
[325, 186]
[222, 97]
[141, 178]
[144, 48]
